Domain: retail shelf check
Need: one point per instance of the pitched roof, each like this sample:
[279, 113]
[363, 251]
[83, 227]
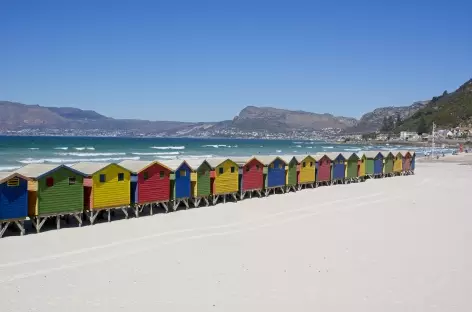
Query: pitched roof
[195, 163]
[333, 155]
[216, 161]
[5, 176]
[173, 164]
[348, 155]
[288, 158]
[241, 160]
[303, 156]
[386, 153]
[372, 154]
[90, 168]
[267, 159]
[136, 166]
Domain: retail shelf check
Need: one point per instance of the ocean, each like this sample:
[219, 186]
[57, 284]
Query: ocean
[19, 151]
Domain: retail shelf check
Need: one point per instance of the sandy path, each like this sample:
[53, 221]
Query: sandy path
[398, 244]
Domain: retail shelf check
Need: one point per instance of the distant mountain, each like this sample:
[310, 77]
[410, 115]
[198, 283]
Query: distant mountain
[282, 120]
[447, 110]
[372, 121]
[17, 116]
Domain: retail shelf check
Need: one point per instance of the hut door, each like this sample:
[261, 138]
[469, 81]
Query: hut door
[87, 197]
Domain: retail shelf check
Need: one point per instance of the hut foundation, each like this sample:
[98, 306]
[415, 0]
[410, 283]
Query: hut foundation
[243, 194]
[93, 214]
[139, 208]
[176, 203]
[197, 200]
[224, 197]
[39, 221]
[19, 224]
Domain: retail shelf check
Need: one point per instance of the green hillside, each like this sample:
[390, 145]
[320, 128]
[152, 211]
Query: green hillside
[447, 110]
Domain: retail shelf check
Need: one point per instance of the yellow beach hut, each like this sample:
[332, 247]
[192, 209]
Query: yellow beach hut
[224, 178]
[397, 163]
[307, 172]
[106, 187]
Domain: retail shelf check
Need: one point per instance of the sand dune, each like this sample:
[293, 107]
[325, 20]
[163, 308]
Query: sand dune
[397, 244]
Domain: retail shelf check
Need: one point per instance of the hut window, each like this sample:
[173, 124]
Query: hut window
[304, 164]
[220, 170]
[232, 169]
[71, 180]
[103, 178]
[248, 169]
[183, 173]
[161, 174]
[49, 181]
[280, 166]
[121, 176]
[257, 167]
[362, 160]
[145, 175]
[13, 182]
[311, 164]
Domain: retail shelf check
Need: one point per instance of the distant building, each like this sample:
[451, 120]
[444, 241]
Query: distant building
[409, 136]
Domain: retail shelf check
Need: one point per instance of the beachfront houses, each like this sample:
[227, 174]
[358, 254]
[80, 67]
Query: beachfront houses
[180, 184]
[200, 181]
[323, 169]
[13, 201]
[224, 179]
[307, 172]
[149, 185]
[54, 191]
[251, 176]
[291, 172]
[106, 187]
[274, 174]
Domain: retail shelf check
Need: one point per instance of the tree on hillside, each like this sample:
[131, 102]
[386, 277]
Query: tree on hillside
[391, 123]
[384, 127]
[444, 93]
[398, 120]
[422, 127]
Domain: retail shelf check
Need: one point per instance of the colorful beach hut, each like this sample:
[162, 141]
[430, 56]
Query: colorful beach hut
[224, 179]
[323, 169]
[307, 172]
[352, 167]
[406, 164]
[371, 164]
[274, 174]
[251, 176]
[413, 160]
[200, 180]
[106, 187]
[180, 182]
[13, 201]
[291, 173]
[149, 185]
[398, 163]
[53, 191]
[338, 172]
[388, 163]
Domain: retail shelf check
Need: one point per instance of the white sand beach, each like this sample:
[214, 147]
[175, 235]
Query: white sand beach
[394, 244]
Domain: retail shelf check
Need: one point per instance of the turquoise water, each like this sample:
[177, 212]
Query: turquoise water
[19, 151]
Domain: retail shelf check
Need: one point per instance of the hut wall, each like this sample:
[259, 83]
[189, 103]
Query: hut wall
[276, 173]
[14, 200]
[182, 181]
[413, 159]
[324, 170]
[398, 162]
[363, 166]
[292, 173]
[406, 162]
[226, 182]
[156, 187]
[352, 170]
[203, 180]
[252, 176]
[111, 193]
[339, 168]
[307, 170]
[388, 164]
[378, 164]
[62, 196]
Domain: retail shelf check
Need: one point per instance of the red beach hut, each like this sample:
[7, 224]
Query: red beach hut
[251, 176]
[323, 170]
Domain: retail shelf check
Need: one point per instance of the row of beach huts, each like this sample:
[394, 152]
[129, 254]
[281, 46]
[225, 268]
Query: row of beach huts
[90, 189]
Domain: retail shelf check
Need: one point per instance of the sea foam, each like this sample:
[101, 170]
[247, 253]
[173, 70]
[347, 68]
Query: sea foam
[73, 160]
[156, 153]
[168, 147]
[77, 154]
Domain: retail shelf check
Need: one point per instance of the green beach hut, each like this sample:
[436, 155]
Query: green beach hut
[352, 166]
[291, 173]
[53, 191]
[200, 181]
[388, 163]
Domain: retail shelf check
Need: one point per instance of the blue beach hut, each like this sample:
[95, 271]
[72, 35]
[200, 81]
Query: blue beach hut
[338, 162]
[274, 171]
[180, 182]
[413, 157]
[13, 200]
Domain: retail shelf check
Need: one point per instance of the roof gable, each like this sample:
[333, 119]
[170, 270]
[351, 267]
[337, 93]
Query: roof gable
[136, 166]
[5, 176]
[216, 162]
[37, 171]
[91, 168]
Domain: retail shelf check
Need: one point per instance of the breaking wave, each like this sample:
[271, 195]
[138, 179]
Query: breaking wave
[352, 149]
[89, 148]
[156, 153]
[61, 148]
[33, 148]
[77, 154]
[8, 168]
[72, 160]
[168, 147]
[328, 146]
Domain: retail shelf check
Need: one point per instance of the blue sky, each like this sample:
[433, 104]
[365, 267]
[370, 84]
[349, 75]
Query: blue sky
[206, 60]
